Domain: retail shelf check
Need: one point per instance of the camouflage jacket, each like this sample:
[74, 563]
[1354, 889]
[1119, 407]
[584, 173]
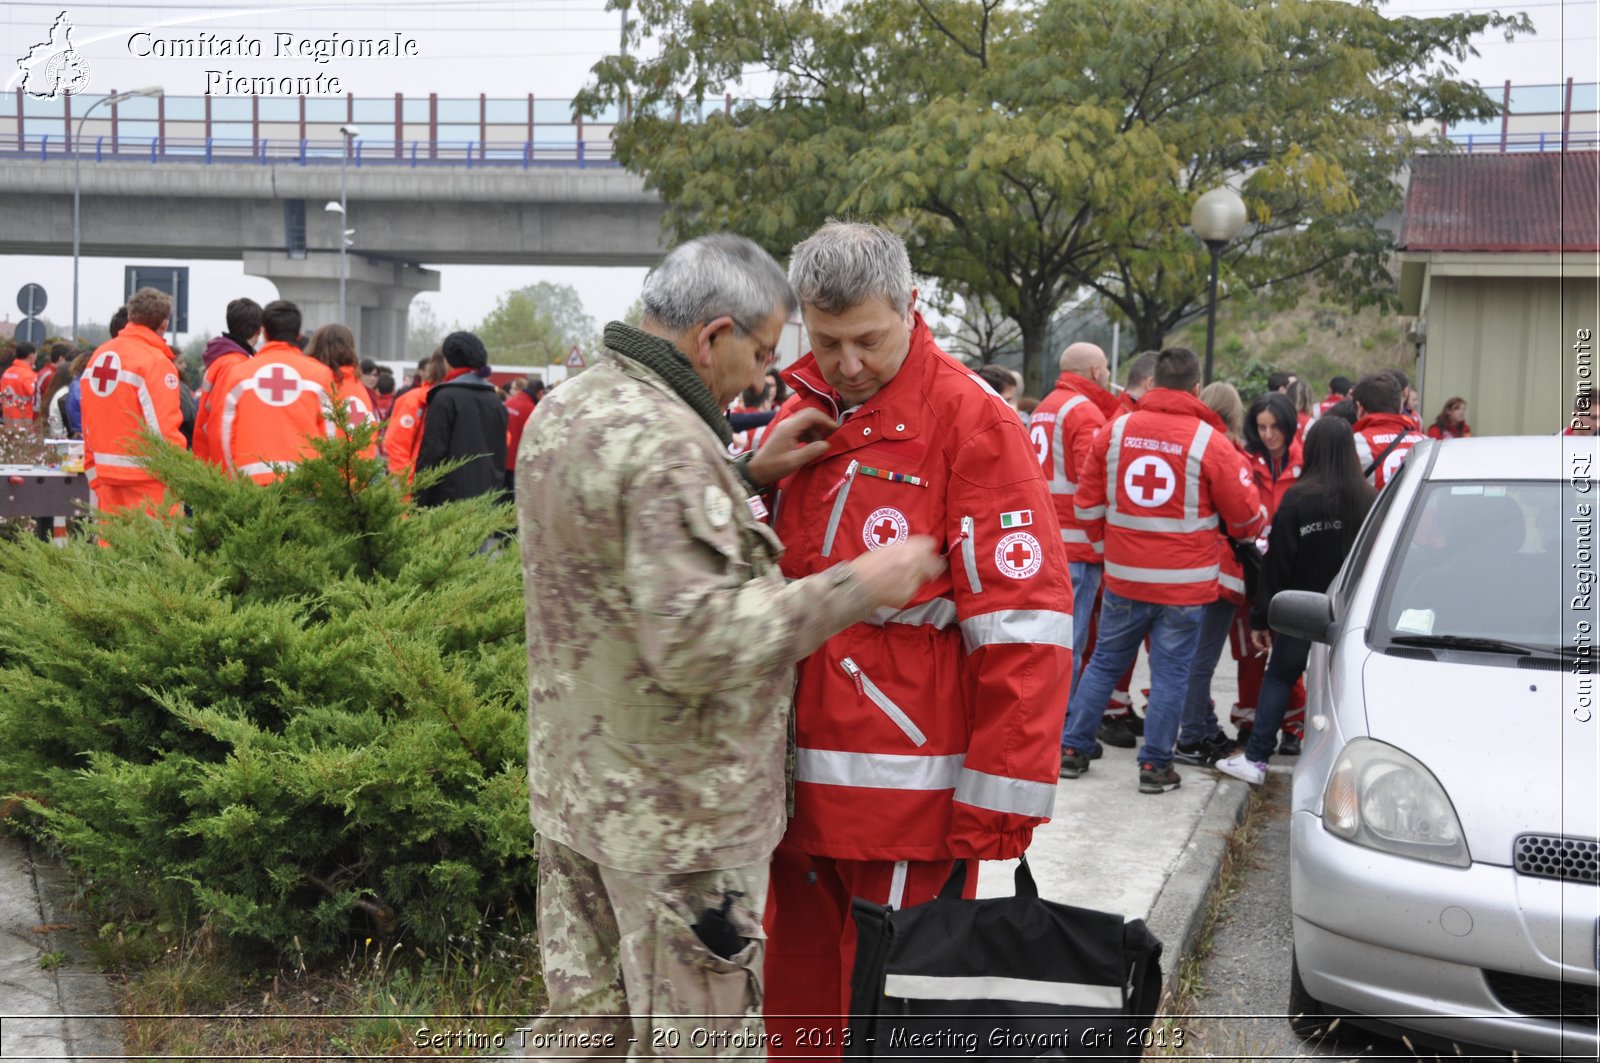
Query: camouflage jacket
[661, 636]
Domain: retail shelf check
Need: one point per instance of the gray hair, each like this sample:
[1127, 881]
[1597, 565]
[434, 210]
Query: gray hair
[846, 263]
[715, 276]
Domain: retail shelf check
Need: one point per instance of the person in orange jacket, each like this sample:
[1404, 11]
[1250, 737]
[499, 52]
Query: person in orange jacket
[335, 347]
[273, 404]
[403, 431]
[221, 354]
[16, 386]
[928, 734]
[131, 384]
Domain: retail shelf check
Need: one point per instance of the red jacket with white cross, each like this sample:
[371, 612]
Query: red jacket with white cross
[934, 730]
[1158, 484]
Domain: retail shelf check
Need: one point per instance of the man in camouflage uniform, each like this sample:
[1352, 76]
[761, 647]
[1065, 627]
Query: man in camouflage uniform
[661, 647]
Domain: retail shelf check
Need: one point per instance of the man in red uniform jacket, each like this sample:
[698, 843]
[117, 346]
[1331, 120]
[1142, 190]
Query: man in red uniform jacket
[1384, 435]
[927, 734]
[1154, 488]
[16, 387]
[1062, 428]
[130, 384]
[269, 407]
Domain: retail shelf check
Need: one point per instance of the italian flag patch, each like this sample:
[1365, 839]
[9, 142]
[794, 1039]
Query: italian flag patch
[1020, 518]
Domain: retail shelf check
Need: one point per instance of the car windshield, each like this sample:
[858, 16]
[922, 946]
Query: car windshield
[1480, 565]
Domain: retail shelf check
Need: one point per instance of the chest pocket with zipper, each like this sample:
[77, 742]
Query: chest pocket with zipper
[870, 690]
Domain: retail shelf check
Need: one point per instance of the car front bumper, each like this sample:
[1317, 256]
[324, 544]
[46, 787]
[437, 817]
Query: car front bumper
[1410, 943]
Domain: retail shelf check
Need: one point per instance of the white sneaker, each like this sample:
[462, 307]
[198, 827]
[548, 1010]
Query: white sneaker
[1239, 766]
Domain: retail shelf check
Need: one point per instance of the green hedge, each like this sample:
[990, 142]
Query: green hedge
[295, 715]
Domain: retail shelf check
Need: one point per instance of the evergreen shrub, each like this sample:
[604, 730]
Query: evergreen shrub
[294, 715]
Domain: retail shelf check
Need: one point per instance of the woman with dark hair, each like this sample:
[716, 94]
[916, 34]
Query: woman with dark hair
[1311, 536]
[335, 347]
[1270, 425]
[1451, 422]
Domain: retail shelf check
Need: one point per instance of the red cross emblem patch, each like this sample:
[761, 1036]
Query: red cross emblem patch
[885, 527]
[104, 374]
[277, 384]
[1149, 481]
[1018, 556]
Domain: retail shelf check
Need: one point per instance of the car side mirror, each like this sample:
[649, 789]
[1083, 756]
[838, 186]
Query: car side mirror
[1304, 615]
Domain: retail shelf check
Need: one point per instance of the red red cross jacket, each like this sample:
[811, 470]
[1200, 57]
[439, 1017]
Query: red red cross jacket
[1374, 433]
[1156, 487]
[16, 391]
[934, 730]
[1062, 429]
[269, 408]
[1273, 485]
[129, 384]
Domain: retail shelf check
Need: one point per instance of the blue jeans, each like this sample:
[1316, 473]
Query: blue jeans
[1199, 717]
[1086, 577]
[1287, 664]
[1124, 622]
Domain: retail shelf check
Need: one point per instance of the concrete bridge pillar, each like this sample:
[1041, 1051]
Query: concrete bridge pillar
[378, 294]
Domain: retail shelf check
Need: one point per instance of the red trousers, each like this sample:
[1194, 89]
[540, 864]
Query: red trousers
[811, 938]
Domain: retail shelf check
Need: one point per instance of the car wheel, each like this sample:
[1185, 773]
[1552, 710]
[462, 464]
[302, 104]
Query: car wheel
[1306, 1016]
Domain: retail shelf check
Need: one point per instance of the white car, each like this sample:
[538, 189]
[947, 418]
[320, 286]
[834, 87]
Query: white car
[1445, 838]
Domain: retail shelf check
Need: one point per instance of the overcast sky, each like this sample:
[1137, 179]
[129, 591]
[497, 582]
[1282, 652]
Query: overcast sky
[502, 48]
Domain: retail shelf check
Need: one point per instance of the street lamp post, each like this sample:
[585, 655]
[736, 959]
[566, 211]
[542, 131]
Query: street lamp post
[349, 133]
[77, 183]
[1217, 218]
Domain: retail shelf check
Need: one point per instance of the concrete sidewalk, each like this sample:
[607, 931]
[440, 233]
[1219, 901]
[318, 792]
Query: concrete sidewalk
[53, 1005]
[1143, 856]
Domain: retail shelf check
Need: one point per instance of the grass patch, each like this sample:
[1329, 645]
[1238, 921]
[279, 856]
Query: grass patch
[204, 1002]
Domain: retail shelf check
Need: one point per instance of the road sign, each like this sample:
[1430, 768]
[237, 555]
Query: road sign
[575, 360]
[31, 300]
[174, 280]
[30, 330]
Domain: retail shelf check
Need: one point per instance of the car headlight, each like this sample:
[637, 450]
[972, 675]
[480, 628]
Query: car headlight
[1384, 799]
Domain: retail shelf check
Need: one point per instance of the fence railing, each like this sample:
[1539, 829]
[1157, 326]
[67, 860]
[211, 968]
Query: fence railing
[1550, 140]
[267, 151]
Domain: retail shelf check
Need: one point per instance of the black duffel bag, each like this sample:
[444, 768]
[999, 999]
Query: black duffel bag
[1007, 978]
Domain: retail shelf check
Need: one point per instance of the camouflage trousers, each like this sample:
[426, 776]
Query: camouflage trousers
[627, 975]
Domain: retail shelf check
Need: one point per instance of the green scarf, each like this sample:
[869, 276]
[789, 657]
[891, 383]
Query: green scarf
[666, 361]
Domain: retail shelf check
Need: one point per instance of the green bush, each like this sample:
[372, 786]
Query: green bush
[296, 714]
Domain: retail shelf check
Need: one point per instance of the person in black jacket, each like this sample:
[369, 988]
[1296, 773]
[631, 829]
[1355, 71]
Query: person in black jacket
[1312, 533]
[463, 418]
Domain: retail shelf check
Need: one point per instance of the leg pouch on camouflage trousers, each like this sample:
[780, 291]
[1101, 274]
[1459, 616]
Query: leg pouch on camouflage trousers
[702, 1004]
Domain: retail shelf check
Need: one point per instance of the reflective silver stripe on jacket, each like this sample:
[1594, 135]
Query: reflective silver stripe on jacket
[1162, 575]
[1113, 470]
[116, 461]
[877, 771]
[997, 793]
[1039, 627]
[1191, 521]
[1078, 535]
[937, 613]
[993, 987]
[838, 508]
[255, 468]
[1092, 513]
[1232, 583]
[969, 553]
[1059, 484]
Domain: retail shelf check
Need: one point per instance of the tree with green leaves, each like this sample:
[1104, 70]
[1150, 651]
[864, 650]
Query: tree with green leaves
[536, 325]
[1025, 150]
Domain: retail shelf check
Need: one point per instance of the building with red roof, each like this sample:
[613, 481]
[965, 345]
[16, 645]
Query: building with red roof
[1500, 265]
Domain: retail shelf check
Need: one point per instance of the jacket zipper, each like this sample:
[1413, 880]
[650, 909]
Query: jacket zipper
[969, 553]
[880, 699]
[838, 508]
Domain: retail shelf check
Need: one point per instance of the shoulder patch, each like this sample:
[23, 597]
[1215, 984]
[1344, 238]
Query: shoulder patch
[1018, 556]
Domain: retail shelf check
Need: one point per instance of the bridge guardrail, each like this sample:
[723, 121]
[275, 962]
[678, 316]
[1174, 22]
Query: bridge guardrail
[267, 151]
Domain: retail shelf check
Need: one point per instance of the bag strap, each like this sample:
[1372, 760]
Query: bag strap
[1384, 453]
[1024, 884]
